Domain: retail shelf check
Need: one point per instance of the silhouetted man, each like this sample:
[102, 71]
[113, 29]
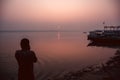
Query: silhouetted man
[25, 58]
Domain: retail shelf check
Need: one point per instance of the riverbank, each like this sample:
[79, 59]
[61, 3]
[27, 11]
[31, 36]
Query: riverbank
[107, 71]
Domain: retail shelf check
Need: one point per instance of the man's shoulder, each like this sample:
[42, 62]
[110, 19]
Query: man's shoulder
[32, 51]
[18, 51]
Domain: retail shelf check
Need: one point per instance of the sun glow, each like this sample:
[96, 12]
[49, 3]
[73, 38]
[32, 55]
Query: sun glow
[60, 6]
[56, 10]
[60, 9]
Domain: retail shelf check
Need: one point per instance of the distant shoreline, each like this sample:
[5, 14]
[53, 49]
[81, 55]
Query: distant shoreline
[41, 31]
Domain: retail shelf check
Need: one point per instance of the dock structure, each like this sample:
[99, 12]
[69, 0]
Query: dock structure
[111, 28]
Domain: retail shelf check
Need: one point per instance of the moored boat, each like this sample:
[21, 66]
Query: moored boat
[110, 34]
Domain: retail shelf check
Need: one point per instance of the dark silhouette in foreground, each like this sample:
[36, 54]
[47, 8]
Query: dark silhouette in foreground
[25, 58]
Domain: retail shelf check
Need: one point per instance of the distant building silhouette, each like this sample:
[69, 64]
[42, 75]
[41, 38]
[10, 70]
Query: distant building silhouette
[25, 58]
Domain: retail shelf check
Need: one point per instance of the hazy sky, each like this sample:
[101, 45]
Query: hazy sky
[70, 13]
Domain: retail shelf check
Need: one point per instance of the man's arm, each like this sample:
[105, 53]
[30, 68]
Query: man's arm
[34, 57]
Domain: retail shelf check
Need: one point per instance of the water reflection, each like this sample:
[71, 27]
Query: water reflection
[58, 35]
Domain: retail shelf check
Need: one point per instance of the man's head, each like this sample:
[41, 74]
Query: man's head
[25, 44]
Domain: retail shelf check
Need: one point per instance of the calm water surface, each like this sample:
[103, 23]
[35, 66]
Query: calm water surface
[57, 52]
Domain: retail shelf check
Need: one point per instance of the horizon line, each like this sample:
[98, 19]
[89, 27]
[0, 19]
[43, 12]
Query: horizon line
[40, 31]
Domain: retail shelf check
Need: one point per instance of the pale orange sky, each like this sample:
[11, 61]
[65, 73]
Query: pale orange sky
[59, 11]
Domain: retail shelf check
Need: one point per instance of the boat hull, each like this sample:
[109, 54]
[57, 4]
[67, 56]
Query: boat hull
[112, 41]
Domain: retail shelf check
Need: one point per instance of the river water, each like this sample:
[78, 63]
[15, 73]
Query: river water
[57, 53]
